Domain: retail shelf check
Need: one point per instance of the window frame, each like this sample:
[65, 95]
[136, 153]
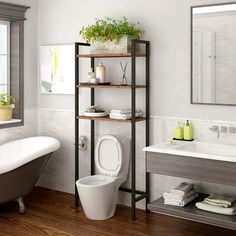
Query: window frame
[15, 14]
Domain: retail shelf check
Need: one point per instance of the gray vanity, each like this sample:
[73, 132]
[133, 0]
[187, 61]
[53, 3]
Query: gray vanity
[207, 162]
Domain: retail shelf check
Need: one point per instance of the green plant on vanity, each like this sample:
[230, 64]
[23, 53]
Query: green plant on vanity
[7, 104]
[111, 34]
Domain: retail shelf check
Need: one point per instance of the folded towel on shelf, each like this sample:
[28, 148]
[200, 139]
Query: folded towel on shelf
[176, 197]
[182, 189]
[182, 203]
[215, 209]
[125, 111]
[217, 204]
[124, 116]
[219, 200]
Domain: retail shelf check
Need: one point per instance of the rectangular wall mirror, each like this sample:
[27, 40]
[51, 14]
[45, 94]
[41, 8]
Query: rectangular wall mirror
[213, 54]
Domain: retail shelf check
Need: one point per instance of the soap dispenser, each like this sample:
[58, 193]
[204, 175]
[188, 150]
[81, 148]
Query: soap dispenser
[179, 131]
[188, 131]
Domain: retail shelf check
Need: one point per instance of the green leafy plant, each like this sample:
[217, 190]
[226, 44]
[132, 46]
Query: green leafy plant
[6, 101]
[110, 29]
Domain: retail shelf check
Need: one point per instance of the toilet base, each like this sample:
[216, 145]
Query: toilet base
[98, 196]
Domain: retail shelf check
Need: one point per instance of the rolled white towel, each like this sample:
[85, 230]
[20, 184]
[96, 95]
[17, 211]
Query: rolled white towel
[124, 111]
[182, 189]
[219, 200]
[177, 197]
[181, 203]
[215, 209]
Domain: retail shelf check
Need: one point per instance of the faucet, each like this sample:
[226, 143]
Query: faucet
[216, 129]
[219, 130]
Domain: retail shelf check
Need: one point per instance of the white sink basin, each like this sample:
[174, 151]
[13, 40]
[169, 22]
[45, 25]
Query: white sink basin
[196, 149]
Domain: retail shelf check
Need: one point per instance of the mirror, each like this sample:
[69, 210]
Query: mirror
[213, 54]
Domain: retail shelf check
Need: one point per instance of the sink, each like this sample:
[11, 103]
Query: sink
[213, 151]
[210, 148]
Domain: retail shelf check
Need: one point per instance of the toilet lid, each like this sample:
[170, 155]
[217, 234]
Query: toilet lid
[109, 155]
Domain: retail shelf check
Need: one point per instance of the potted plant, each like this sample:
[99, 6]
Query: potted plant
[110, 35]
[7, 104]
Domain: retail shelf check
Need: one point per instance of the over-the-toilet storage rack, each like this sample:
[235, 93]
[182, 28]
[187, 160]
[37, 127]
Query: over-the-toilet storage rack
[135, 194]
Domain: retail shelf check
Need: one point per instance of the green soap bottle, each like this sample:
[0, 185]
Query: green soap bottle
[188, 131]
[179, 131]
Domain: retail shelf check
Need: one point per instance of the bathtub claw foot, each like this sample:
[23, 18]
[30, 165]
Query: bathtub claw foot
[21, 204]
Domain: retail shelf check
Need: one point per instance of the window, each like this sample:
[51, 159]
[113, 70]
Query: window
[12, 19]
[5, 57]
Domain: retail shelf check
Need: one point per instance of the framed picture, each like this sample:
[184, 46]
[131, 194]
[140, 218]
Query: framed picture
[57, 69]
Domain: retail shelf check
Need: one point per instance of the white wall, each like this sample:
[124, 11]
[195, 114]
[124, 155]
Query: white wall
[30, 79]
[167, 26]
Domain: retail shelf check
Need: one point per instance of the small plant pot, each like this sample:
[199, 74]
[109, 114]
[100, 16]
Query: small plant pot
[123, 46]
[6, 113]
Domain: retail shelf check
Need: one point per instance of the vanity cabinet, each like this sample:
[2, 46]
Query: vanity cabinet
[215, 171]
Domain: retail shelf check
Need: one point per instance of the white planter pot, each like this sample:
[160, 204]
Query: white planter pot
[124, 46]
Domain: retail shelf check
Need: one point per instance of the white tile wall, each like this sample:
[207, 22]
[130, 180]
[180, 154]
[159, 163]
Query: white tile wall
[59, 173]
[29, 128]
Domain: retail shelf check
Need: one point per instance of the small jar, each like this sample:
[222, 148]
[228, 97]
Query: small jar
[101, 73]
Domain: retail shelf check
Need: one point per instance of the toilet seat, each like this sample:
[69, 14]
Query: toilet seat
[109, 164]
[95, 181]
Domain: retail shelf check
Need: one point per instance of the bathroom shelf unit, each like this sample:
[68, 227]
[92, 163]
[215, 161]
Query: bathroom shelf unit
[112, 55]
[112, 86]
[133, 55]
[107, 118]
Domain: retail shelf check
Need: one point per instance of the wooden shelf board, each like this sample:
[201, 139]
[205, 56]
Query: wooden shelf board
[107, 118]
[112, 55]
[190, 212]
[111, 86]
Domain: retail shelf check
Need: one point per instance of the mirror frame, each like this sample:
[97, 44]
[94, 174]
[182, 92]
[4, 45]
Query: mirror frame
[191, 53]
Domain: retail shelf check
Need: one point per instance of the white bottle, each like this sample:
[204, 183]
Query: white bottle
[101, 73]
[91, 76]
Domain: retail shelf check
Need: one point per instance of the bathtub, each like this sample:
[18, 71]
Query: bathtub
[21, 163]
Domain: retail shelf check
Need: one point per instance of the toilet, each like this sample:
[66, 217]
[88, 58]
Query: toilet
[98, 193]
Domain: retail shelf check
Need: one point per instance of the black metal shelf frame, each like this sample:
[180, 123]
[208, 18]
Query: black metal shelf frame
[133, 191]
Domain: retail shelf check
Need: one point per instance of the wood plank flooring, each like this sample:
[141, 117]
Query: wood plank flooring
[52, 213]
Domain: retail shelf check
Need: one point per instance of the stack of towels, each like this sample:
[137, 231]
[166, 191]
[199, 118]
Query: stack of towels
[218, 204]
[124, 114]
[181, 195]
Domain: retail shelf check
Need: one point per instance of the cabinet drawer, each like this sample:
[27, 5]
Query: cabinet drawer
[192, 168]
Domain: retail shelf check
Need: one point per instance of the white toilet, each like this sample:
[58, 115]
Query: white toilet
[98, 193]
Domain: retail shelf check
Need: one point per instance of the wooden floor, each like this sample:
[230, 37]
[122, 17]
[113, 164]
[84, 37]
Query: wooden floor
[52, 213]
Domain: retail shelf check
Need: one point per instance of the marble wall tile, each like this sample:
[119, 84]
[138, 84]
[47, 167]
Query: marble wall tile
[29, 129]
[59, 173]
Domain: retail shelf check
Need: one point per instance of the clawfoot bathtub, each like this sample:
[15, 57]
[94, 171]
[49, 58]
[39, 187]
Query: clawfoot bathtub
[21, 163]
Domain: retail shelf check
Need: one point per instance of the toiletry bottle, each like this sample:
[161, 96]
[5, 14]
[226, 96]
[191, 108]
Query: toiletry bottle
[179, 131]
[188, 131]
[101, 73]
[91, 76]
